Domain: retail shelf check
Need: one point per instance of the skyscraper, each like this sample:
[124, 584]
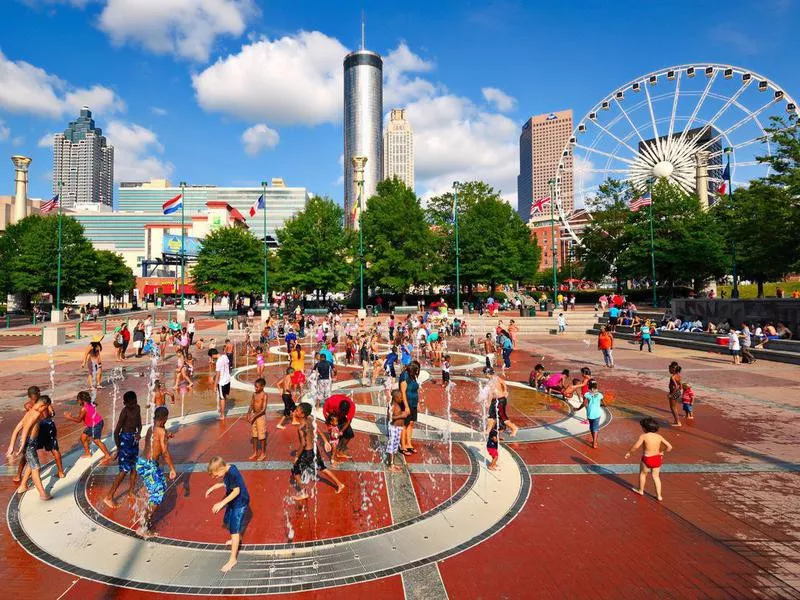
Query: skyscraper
[541, 145]
[398, 149]
[84, 163]
[363, 123]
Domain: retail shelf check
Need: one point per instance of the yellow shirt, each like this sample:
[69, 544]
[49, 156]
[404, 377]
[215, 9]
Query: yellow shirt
[298, 362]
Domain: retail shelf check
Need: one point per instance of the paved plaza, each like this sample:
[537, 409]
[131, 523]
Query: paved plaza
[558, 520]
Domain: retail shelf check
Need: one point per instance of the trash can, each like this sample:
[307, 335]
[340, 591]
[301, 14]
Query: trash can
[532, 311]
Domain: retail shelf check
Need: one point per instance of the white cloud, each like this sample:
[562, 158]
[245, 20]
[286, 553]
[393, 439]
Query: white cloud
[399, 88]
[4, 132]
[501, 101]
[46, 141]
[25, 88]
[185, 28]
[259, 137]
[454, 140]
[158, 111]
[296, 79]
[135, 152]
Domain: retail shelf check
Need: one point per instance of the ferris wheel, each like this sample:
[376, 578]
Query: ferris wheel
[669, 123]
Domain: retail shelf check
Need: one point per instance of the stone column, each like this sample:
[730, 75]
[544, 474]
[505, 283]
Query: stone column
[20, 186]
[701, 177]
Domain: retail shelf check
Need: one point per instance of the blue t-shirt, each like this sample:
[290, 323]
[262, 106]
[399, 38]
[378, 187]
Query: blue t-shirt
[328, 355]
[613, 311]
[593, 400]
[391, 358]
[412, 391]
[233, 479]
[506, 341]
[406, 356]
[291, 337]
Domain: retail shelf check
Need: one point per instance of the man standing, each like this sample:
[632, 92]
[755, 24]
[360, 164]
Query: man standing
[325, 372]
[221, 379]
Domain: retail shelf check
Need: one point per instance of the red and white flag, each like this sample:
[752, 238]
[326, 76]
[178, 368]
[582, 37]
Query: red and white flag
[258, 204]
[47, 207]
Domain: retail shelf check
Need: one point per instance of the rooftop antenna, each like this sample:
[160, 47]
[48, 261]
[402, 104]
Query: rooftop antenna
[363, 19]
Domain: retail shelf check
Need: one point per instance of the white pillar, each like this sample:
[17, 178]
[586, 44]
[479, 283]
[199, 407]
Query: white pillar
[20, 186]
[701, 177]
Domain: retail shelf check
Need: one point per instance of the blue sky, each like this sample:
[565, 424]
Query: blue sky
[231, 92]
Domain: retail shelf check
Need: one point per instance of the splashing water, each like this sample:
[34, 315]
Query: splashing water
[117, 375]
[449, 431]
[52, 361]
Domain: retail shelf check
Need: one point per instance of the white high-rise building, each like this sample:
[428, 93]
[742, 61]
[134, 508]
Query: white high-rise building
[83, 163]
[398, 148]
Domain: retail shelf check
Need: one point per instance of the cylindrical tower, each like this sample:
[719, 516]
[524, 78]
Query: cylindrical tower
[20, 186]
[363, 123]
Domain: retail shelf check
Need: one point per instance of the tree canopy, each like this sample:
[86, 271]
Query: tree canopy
[315, 251]
[231, 260]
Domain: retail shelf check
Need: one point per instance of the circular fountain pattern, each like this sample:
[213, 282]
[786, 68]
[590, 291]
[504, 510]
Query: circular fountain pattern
[70, 534]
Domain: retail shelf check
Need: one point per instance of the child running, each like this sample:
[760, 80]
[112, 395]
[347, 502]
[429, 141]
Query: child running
[235, 503]
[687, 398]
[652, 455]
[126, 437]
[160, 394]
[309, 459]
[257, 417]
[149, 469]
[445, 370]
[93, 431]
[491, 448]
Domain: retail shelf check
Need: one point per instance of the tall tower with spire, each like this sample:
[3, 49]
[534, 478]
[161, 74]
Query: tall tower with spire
[363, 122]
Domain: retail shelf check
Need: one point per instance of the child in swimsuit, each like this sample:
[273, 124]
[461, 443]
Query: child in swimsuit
[396, 419]
[687, 398]
[446, 370]
[126, 437]
[334, 433]
[260, 362]
[286, 385]
[652, 455]
[149, 469]
[93, 423]
[235, 503]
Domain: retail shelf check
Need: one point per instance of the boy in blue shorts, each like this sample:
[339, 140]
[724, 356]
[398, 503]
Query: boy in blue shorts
[235, 503]
[593, 400]
[126, 437]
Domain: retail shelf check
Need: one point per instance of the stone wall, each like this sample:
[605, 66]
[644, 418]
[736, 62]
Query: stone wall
[756, 310]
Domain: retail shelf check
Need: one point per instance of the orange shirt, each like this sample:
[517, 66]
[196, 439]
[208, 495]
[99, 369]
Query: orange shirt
[605, 341]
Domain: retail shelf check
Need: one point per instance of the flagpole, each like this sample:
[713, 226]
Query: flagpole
[58, 262]
[735, 290]
[458, 251]
[183, 235]
[551, 183]
[652, 245]
[266, 248]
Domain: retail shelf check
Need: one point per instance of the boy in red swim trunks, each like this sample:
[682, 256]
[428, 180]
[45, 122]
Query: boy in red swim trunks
[652, 455]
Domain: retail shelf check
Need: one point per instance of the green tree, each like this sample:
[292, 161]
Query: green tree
[785, 160]
[397, 239]
[32, 248]
[231, 260]
[763, 222]
[110, 266]
[315, 251]
[496, 246]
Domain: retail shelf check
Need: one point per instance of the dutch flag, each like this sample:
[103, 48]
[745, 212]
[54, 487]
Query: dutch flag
[172, 205]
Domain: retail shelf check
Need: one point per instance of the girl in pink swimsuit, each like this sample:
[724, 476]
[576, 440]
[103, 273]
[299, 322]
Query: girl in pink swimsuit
[93, 425]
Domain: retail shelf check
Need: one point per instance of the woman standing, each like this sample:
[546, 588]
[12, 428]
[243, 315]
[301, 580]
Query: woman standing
[297, 360]
[93, 360]
[190, 329]
[138, 338]
[605, 343]
[409, 390]
[675, 390]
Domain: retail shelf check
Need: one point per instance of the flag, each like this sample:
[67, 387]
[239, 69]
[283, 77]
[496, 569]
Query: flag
[538, 206]
[47, 207]
[258, 204]
[726, 175]
[172, 205]
[641, 202]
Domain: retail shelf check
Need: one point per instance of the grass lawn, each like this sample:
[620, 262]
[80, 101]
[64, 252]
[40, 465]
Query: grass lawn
[750, 290]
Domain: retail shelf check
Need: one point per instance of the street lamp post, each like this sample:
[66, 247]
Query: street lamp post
[652, 243]
[735, 291]
[458, 250]
[266, 248]
[183, 236]
[110, 283]
[552, 184]
[58, 260]
[359, 162]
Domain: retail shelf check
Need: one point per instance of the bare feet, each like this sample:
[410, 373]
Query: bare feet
[262, 457]
[228, 565]
[252, 456]
[45, 497]
[86, 455]
[638, 491]
[677, 424]
[106, 461]
[281, 426]
[229, 542]
[660, 498]
[340, 488]
[300, 497]
[594, 445]
[394, 469]
[21, 490]
[492, 468]
[16, 479]
[110, 503]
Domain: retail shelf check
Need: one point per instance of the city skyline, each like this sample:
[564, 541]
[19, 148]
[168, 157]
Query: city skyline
[186, 102]
[398, 148]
